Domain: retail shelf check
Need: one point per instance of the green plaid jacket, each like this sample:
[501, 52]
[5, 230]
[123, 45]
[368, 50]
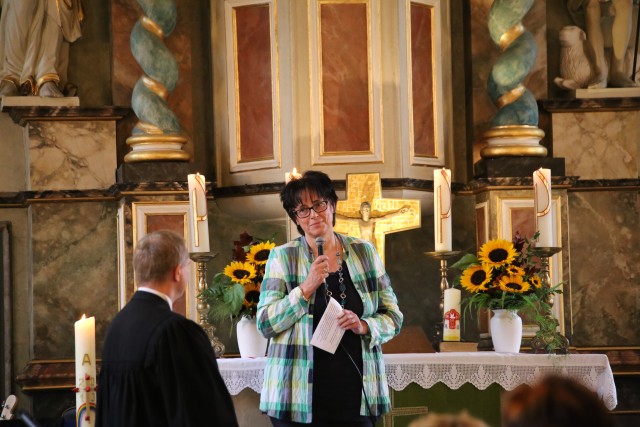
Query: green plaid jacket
[285, 318]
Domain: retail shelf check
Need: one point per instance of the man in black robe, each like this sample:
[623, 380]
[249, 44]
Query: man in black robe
[158, 368]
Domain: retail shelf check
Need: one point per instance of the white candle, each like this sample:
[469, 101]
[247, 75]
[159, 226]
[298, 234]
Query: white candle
[198, 222]
[288, 176]
[85, 340]
[542, 206]
[442, 209]
[292, 230]
[451, 326]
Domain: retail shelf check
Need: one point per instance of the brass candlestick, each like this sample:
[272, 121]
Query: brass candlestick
[548, 339]
[443, 257]
[201, 259]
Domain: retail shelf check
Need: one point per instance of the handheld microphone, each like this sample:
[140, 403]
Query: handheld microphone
[320, 245]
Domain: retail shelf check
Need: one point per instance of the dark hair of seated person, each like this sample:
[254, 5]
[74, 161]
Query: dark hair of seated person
[554, 402]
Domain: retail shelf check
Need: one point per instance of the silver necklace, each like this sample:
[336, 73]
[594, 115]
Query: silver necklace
[341, 286]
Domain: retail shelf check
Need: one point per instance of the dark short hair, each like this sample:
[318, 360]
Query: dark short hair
[156, 255]
[555, 401]
[311, 182]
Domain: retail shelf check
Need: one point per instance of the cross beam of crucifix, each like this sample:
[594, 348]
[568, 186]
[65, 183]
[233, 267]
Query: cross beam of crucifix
[367, 215]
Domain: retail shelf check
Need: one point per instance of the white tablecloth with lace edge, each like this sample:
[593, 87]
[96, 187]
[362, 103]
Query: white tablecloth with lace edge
[455, 369]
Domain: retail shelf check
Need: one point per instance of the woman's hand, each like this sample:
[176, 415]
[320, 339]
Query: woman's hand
[318, 272]
[350, 321]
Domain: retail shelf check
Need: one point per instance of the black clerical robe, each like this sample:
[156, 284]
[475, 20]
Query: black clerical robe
[158, 369]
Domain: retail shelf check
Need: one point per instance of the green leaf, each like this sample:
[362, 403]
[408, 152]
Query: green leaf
[466, 261]
[234, 297]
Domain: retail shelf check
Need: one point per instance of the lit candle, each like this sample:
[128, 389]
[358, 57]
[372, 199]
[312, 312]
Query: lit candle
[198, 222]
[542, 206]
[288, 176]
[442, 209]
[451, 326]
[85, 340]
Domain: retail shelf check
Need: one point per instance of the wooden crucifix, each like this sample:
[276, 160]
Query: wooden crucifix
[367, 215]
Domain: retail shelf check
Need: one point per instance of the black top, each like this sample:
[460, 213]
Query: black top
[337, 378]
[158, 369]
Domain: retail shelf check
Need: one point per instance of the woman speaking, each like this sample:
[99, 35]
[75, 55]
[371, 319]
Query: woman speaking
[304, 385]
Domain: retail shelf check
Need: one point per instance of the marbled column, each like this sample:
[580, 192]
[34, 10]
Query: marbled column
[158, 135]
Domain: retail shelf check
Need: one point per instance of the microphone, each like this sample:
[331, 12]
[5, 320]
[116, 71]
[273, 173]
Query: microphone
[320, 245]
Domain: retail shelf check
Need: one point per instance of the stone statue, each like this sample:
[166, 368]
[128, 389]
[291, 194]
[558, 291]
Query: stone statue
[367, 222]
[591, 14]
[34, 45]
[575, 66]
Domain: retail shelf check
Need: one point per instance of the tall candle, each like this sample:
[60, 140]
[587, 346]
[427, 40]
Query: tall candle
[85, 340]
[451, 325]
[542, 206]
[198, 222]
[442, 209]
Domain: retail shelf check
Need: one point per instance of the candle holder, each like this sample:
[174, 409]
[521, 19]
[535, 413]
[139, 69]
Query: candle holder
[548, 339]
[443, 257]
[201, 259]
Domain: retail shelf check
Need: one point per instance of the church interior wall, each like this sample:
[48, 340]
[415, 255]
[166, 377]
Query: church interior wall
[58, 186]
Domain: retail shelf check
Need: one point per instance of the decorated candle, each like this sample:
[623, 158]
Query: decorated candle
[451, 325]
[85, 340]
[542, 206]
[442, 209]
[198, 223]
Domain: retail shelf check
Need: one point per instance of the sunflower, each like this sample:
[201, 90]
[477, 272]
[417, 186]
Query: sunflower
[535, 281]
[513, 284]
[497, 252]
[251, 295]
[240, 272]
[514, 270]
[260, 253]
[475, 278]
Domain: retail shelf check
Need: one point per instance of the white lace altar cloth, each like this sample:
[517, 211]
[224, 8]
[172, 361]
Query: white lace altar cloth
[455, 369]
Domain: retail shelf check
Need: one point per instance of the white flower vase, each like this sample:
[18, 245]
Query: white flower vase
[250, 342]
[506, 331]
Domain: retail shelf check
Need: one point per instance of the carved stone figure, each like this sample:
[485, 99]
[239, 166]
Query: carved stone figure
[575, 66]
[591, 15]
[34, 44]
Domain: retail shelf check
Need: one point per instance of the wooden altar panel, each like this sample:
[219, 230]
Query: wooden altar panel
[254, 113]
[422, 78]
[252, 88]
[345, 77]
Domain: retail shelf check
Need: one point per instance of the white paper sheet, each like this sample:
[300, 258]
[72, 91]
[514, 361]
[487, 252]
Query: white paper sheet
[328, 334]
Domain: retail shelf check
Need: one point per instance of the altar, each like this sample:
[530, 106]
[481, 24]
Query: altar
[440, 382]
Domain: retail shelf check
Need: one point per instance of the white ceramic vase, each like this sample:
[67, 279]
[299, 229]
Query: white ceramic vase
[506, 331]
[250, 342]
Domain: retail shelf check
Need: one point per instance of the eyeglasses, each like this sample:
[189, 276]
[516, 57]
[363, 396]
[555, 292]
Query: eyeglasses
[319, 206]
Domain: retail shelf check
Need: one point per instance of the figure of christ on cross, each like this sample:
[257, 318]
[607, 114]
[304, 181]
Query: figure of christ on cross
[367, 220]
[367, 215]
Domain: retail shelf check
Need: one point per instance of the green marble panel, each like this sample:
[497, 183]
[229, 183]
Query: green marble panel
[75, 272]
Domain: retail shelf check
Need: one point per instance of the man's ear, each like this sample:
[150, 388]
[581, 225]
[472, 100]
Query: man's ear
[176, 273]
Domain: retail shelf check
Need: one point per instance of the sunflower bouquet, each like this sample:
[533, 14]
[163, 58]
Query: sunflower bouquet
[234, 293]
[504, 276]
